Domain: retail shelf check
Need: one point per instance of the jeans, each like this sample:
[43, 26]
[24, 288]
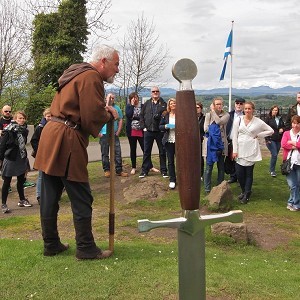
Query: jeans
[149, 138]
[244, 177]
[293, 180]
[274, 148]
[38, 184]
[133, 144]
[170, 148]
[104, 144]
[208, 172]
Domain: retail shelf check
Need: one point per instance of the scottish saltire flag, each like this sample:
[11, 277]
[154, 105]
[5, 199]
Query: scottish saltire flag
[227, 52]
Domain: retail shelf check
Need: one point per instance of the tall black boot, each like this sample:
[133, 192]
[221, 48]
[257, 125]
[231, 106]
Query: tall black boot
[52, 244]
[86, 247]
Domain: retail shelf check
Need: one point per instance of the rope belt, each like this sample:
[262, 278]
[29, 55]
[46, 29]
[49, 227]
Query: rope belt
[68, 123]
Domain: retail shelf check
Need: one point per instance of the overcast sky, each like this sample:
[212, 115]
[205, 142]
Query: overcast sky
[266, 43]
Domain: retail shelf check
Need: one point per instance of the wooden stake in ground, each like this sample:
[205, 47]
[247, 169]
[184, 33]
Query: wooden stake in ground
[111, 226]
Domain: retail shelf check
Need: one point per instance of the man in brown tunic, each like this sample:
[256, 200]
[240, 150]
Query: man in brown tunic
[78, 110]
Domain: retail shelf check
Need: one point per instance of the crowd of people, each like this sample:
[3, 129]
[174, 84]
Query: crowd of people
[80, 109]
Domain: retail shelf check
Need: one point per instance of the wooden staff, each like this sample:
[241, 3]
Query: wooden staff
[111, 229]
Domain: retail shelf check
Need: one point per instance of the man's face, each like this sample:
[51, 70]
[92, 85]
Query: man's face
[6, 111]
[111, 68]
[298, 98]
[155, 93]
[239, 106]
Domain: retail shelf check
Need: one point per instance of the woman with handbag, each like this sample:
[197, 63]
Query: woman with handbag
[291, 146]
[133, 130]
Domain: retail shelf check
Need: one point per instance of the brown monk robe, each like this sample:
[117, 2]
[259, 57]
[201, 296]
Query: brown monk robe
[78, 110]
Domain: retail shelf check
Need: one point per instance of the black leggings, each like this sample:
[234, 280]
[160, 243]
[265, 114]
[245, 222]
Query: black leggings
[245, 177]
[6, 186]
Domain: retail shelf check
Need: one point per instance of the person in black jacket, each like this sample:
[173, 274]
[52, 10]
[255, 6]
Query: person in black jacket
[238, 111]
[13, 158]
[273, 142]
[294, 110]
[35, 144]
[149, 119]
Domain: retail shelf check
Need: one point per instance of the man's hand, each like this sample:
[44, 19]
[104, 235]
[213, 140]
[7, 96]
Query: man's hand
[234, 156]
[111, 110]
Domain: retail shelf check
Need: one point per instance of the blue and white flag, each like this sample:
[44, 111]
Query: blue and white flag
[227, 52]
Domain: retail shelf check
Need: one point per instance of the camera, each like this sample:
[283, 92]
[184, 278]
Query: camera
[156, 117]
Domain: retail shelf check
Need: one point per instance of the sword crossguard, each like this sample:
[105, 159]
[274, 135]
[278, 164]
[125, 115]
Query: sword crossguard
[192, 223]
[195, 223]
[146, 225]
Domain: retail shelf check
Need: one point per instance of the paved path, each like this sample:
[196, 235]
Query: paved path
[94, 152]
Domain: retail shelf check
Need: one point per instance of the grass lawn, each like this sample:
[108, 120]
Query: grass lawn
[144, 265]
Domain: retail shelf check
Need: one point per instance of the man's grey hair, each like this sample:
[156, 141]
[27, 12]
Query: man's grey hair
[102, 51]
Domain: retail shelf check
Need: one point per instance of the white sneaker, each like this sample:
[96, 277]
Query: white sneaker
[172, 185]
[132, 172]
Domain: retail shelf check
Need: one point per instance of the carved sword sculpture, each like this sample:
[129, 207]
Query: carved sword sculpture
[191, 226]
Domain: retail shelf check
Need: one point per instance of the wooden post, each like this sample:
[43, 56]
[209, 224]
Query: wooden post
[112, 185]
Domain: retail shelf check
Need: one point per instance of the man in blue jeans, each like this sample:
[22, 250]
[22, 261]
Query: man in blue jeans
[149, 119]
[104, 142]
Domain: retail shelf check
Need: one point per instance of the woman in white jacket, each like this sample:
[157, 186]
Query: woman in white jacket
[246, 150]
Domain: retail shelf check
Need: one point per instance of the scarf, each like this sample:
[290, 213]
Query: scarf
[20, 141]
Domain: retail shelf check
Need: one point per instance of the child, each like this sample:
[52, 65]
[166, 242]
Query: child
[13, 158]
[35, 143]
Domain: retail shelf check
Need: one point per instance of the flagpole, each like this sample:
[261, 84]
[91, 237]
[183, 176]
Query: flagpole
[230, 85]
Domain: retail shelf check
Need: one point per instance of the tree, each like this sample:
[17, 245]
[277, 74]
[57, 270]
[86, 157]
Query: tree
[14, 46]
[97, 10]
[144, 58]
[59, 40]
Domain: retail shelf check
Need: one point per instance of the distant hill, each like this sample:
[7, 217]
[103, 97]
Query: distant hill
[253, 91]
